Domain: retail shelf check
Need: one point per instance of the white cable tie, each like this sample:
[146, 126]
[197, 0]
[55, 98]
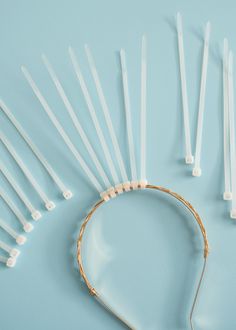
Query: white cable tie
[128, 115]
[67, 194]
[93, 115]
[188, 149]
[143, 107]
[48, 204]
[14, 253]
[232, 134]
[35, 214]
[75, 121]
[197, 167]
[20, 239]
[106, 113]
[60, 130]
[227, 191]
[9, 262]
[28, 227]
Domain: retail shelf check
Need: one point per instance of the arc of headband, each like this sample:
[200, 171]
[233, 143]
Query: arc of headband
[61, 131]
[143, 109]
[232, 134]
[36, 215]
[197, 168]
[67, 194]
[227, 191]
[48, 204]
[14, 253]
[128, 117]
[93, 115]
[106, 113]
[28, 227]
[20, 239]
[198, 220]
[76, 122]
[188, 149]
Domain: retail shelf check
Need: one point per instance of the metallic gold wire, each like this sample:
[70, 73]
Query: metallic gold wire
[197, 218]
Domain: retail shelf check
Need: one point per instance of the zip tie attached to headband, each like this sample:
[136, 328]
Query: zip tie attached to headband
[143, 112]
[28, 227]
[67, 194]
[128, 117]
[60, 130]
[93, 115]
[35, 214]
[48, 204]
[188, 149]
[106, 113]
[75, 121]
[197, 168]
[20, 239]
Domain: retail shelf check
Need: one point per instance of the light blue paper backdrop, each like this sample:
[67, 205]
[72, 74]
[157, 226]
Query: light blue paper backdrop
[44, 291]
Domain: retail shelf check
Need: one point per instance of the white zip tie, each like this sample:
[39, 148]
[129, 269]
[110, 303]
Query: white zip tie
[67, 194]
[75, 120]
[48, 204]
[14, 253]
[227, 192]
[128, 115]
[60, 129]
[143, 107]
[197, 168]
[20, 239]
[188, 149]
[9, 262]
[232, 135]
[93, 115]
[36, 215]
[28, 227]
[106, 113]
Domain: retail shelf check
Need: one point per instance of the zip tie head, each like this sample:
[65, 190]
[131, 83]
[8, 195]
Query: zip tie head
[50, 206]
[36, 215]
[233, 214]
[119, 188]
[134, 185]
[28, 227]
[197, 171]
[104, 195]
[14, 253]
[11, 262]
[227, 196]
[126, 186]
[67, 194]
[20, 240]
[143, 183]
[122, 187]
[189, 159]
[111, 192]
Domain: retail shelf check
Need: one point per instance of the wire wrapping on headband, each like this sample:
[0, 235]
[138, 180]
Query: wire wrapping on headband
[197, 218]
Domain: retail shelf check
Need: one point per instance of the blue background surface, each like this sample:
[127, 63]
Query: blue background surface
[44, 291]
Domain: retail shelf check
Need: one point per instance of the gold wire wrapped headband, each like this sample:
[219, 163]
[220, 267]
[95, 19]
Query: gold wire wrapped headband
[91, 288]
